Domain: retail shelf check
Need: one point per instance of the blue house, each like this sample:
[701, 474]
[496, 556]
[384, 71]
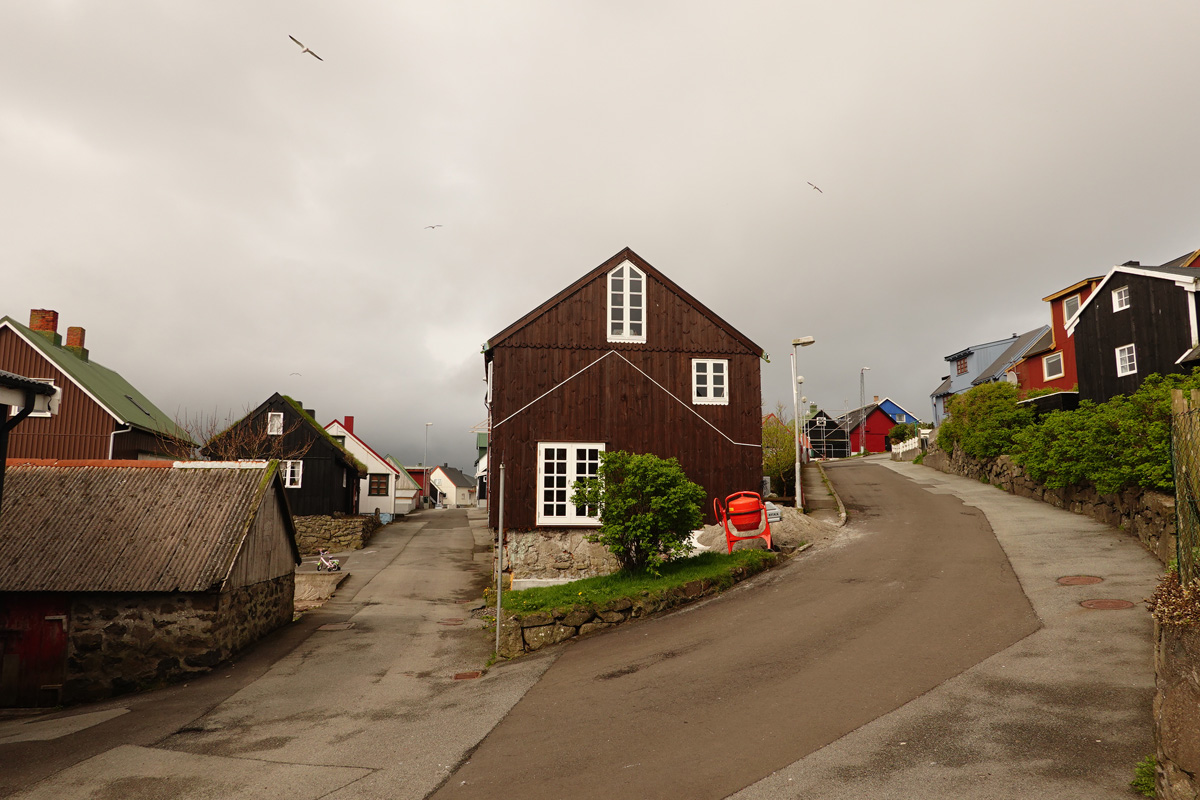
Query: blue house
[896, 411]
[979, 364]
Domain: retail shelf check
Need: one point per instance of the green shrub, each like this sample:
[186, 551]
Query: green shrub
[984, 420]
[1143, 777]
[647, 507]
[902, 432]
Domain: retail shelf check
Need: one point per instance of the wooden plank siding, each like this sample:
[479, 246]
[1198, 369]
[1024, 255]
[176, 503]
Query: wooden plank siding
[611, 402]
[82, 428]
[266, 553]
[1156, 322]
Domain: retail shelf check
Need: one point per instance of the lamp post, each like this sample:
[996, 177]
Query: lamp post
[803, 341]
[862, 406]
[425, 465]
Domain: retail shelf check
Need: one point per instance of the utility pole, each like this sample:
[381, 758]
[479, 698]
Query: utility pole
[862, 408]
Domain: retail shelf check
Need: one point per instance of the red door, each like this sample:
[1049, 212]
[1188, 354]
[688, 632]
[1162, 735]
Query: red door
[33, 649]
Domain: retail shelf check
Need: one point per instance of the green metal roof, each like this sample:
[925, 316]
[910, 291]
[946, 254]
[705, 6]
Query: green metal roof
[119, 397]
[481, 441]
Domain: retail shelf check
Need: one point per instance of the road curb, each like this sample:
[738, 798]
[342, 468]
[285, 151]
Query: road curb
[837, 499]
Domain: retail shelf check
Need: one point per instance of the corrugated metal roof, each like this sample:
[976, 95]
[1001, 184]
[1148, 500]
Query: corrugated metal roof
[115, 394]
[995, 370]
[124, 529]
[12, 380]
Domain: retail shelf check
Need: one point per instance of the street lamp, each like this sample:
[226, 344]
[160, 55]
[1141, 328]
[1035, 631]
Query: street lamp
[425, 464]
[862, 409]
[803, 341]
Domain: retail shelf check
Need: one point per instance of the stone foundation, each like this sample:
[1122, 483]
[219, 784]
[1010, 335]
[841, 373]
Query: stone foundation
[1148, 515]
[1176, 707]
[556, 554]
[525, 633]
[334, 533]
[118, 643]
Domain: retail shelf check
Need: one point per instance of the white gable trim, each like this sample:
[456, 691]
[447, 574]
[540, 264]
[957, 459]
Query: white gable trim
[368, 455]
[1182, 282]
[68, 376]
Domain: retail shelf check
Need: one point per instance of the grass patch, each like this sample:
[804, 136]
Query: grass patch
[1143, 780]
[718, 568]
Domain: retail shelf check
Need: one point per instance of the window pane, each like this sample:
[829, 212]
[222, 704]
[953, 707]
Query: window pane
[701, 367]
[635, 285]
[617, 287]
[617, 328]
[635, 315]
[718, 391]
[635, 301]
[619, 273]
[635, 329]
[561, 455]
[617, 301]
[718, 367]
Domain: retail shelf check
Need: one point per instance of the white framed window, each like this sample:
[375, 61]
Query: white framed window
[1126, 360]
[1052, 366]
[274, 423]
[626, 304]
[560, 464]
[1070, 306]
[292, 471]
[710, 381]
[1121, 298]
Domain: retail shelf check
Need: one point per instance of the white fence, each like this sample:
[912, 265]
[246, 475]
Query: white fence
[918, 442]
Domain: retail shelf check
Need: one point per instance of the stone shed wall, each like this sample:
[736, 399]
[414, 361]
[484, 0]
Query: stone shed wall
[118, 643]
[1177, 729]
[334, 533]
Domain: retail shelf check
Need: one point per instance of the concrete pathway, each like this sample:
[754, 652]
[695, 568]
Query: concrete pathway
[1064, 713]
[366, 707]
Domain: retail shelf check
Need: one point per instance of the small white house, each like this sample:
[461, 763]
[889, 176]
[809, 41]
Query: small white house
[408, 489]
[377, 491]
[455, 489]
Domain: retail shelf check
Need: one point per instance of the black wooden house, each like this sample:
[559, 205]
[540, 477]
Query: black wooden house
[320, 477]
[1140, 320]
[825, 438]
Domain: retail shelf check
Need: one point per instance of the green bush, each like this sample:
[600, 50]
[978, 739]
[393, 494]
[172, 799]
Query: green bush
[1143, 777]
[902, 432]
[647, 507]
[984, 420]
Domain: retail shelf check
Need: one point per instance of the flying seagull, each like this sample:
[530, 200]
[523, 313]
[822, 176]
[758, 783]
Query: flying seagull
[304, 49]
[427, 227]
[810, 183]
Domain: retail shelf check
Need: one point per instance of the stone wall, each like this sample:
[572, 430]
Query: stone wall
[556, 554]
[525, 633]
[118, 643]
[1148, 515]
[1177, 730]
[335, 534]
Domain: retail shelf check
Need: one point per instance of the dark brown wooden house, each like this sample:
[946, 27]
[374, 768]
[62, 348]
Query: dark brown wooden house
[622, 359]
[319, 476]
[103, 415]
[1139, 320]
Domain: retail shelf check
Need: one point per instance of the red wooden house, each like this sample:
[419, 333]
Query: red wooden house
[1050, 362]
[868, 428]
[622, 359]
[103, 415]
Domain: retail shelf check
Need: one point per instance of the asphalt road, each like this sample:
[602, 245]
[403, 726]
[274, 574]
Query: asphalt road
[703, 703]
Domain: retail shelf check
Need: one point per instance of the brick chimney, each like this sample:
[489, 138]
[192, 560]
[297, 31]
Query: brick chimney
[75, 342]
[349, 424]
[876, 399]
[45, 322]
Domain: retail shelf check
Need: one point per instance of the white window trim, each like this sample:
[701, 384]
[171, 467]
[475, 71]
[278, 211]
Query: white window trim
[710, 400]
[1078, 304]
[293, 473]
[1117, 296]
[1046, 367]
[630, 269]
[274, 423]
[573, 518]
[1132, 358]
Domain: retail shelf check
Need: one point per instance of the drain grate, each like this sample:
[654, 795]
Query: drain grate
[1079, 580]
[1106, 605]
[336, 626]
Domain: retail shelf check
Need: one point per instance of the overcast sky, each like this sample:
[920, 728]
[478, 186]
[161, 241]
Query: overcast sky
[219, 209]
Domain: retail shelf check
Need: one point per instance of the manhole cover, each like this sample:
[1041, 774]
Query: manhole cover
[452, 621]
[1079, 580]
[336, 626]
[467, 676]
[1106, 605]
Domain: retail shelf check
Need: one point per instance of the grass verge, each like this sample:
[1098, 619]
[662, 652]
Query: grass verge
[716, 568]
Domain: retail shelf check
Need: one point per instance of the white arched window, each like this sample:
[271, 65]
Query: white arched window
[626, 304]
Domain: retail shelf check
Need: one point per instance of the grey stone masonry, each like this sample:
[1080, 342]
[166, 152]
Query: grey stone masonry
[334, 533]
[556, 554]
[1177, 730]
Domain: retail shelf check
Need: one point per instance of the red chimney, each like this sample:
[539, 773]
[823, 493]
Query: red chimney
[75, 342]
[45, 322]
[349, 424]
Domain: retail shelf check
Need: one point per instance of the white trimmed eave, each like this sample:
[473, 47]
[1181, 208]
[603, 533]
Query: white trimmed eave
[103, 406]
